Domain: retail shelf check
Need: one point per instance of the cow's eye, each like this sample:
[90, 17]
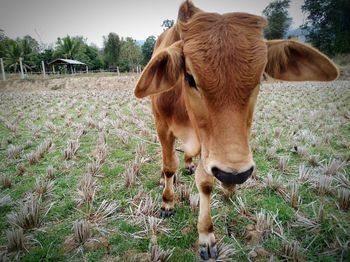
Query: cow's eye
[190, 80]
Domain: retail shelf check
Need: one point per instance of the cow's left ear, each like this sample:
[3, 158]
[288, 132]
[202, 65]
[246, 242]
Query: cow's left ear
[162, 72]
[293, 61]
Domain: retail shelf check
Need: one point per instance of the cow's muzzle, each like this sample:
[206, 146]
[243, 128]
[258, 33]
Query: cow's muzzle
[229, 178]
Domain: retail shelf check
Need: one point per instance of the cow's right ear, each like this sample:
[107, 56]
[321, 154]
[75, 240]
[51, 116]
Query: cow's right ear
[162, 72]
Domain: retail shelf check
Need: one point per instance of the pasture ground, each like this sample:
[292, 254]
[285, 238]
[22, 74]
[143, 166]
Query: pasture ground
[80, 164]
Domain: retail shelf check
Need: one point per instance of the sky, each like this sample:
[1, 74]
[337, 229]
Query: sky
[45, 20]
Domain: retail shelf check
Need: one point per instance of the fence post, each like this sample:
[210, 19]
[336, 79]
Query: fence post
[43, 66]
[87, 69]
[53, 69]
[21, 66]
[118, 70]
[2, 69]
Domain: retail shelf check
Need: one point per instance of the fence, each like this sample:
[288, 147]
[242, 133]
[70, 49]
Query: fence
[45, 73]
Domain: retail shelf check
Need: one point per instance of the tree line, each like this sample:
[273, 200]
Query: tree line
[124, 53]
[327, 24]
[327, 27]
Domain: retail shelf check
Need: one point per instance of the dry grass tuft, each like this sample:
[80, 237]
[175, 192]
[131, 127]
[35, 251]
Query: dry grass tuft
[6, 181]
[304, 173]
[20, 169]
[129, 177]
[271, 153]
[225, 251]
[342, 180]
[158, 254]
[273, 182]
[304, 222]
[94, 168]
[332, 167]
[5, 200]
[153, 226]
[104, 211]
[14, 152]
[194, 201]
[293, 251]
[82, 231]
[184, 192]
[314, 160]
[16, 240]
[302, 152]
[87, 189]
[264, 221]
[295, 199]
[147, 206]
[50, 172]
[71, 150]
[43, 187]
[344, 198]
[28, 215]
[282, 163]
[323, 185]
[240, 206]
[33, 157]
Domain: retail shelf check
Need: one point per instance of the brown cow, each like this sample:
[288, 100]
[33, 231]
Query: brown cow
[203, 80]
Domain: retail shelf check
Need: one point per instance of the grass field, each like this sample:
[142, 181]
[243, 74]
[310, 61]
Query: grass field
[80, 165]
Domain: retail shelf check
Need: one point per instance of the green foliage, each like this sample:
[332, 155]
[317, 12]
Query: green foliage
[168, 23]
[130, 55]
[278, 19]
[93, 57]
[328, 25]
[112, 46]
[2, 34]
[147, 49]
[69, 47]
[26, 48]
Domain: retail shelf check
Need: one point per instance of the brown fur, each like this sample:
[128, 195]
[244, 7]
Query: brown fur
[218, 59]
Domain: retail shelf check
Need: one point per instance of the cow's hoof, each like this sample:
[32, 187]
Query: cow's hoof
[208, 252]
[165, 213]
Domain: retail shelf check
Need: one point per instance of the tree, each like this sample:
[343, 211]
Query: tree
[93, 57]
[328, 25]
[68, 47]
[167, 23]
[25, 48]
[130, 55]
[147, 49]
[2, 34]
[112, 46]
[278, 19]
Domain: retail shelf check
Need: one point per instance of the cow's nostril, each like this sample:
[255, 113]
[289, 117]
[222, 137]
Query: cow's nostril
[248, 173]
[230, 178]
[215, 170]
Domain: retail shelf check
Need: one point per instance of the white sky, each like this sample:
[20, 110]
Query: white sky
[45, 20]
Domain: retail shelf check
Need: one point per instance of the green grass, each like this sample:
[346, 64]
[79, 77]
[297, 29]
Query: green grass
[289, 108]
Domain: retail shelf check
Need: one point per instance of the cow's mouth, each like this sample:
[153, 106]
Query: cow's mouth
[232, 178]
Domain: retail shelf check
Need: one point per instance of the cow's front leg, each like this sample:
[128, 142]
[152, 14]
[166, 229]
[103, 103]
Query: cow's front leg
[170, 165]
[207, 241]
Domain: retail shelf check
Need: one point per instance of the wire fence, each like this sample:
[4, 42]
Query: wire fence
[44, 73]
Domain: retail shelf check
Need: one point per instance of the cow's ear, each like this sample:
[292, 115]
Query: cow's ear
[293, 61]
[186, 11]
[162, 72]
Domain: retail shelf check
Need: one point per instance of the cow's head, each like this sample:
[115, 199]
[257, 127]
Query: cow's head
[220, 60]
